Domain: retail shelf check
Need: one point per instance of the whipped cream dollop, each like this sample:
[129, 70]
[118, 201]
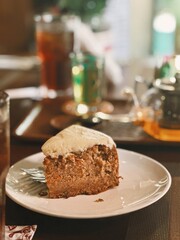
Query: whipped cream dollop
[75, 138]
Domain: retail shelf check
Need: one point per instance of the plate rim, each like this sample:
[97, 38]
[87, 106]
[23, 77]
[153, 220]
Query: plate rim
[105, 215]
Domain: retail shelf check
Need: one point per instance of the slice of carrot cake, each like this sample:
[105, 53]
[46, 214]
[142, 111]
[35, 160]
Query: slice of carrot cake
[79, 160]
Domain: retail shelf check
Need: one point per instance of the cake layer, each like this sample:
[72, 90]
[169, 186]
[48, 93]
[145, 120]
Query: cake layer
[85, 172]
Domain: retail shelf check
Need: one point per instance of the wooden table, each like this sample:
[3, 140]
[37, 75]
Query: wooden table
[159, 221]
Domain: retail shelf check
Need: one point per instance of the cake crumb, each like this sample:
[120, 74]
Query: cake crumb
[99, 200]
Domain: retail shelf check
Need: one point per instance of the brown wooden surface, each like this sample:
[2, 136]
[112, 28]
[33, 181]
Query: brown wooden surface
[159, 221]
[39, 127]
[50, 119]
[153, 222]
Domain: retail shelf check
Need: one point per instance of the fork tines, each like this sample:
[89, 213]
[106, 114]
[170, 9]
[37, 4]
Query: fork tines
[35, 174]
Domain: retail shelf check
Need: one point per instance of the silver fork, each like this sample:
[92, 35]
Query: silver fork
[36, 174]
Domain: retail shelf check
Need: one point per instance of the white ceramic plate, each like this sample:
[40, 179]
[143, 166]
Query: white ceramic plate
[144, 182]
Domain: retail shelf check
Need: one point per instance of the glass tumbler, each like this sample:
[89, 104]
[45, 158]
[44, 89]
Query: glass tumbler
[4, 155]
[55, 41]
[88, 82]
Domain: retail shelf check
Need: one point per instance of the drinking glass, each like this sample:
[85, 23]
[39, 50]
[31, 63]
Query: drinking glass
[89, 83]
[55, 41]
[4, 155]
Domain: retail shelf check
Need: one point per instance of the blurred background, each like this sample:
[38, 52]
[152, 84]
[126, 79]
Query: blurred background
[127, 29]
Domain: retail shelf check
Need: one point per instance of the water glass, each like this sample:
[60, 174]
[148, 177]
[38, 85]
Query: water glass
[4, 155]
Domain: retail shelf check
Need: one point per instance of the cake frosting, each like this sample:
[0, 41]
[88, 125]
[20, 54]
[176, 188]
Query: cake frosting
[73, 139]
